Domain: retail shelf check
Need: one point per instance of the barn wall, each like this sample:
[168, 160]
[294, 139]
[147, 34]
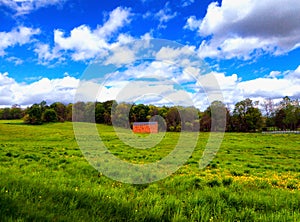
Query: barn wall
[145, 128]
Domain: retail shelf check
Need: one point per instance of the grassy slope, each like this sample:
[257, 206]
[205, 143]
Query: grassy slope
[44, 177]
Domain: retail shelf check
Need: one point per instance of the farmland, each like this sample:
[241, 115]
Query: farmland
[45, 177]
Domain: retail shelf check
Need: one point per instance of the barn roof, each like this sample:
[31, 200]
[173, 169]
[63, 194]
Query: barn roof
[144, 123]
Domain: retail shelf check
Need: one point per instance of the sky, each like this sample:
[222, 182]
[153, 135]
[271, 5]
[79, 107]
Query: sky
[48, 48]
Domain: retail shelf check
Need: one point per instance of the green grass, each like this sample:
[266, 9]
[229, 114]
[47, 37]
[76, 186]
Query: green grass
[45, 177]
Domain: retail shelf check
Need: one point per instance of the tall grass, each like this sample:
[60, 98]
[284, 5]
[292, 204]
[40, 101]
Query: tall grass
[45, 177]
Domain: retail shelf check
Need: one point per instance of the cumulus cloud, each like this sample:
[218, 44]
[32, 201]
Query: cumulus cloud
[21, 7]
[192, 23]
[17, 36]
[157, 83]
[245, 29]
[84, 43]
[46, 54]
[171, 53]
[54, 90]
[275, 86]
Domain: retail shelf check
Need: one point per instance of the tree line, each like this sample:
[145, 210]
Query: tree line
[245, 117]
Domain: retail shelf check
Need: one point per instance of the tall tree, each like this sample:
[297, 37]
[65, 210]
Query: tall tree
[60, 110]
[34, 115]
[173, 119]
[246, 117]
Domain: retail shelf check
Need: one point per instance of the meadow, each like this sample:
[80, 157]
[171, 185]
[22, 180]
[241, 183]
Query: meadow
[45, 177]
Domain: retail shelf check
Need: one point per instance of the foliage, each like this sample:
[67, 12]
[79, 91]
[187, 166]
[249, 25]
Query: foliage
[50, 115]
[245, 117]
[15, 112]
[34, 115]
[286, 116]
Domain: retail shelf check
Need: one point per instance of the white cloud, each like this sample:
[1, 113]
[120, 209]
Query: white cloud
[18, 36]
[5, 80]
[186, 3]
[139, 84]
[294, 75]
[164, 15]
[276, 86]
[84, 43]
[121, 55]
[15, 60]
[117, 19]
[170, 53]
[246, 29]
[21, 7]
[192, 23]
[45, 54]
[54, 90]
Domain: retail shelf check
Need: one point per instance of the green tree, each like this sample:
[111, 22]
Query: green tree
[6, 113]
[49, 115]
[16, 112]
[139, 113]
[107, 113]
[287, 114]
[120, 115]
[78, 112]
[99, 112]
[215, 117]
[173, 119]
[69, 109]
[189, 118]
[246, 117]
[89, 112]
[61, 111]
[34, 115]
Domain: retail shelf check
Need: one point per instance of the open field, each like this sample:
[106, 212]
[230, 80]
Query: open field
[44, 177]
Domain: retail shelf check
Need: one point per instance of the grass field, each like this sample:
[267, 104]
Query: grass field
[44, 177]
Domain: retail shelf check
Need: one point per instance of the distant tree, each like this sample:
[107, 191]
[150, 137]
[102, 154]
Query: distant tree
[287, 114]
[139, 113]
[43, 105]
[205, 121]
[269, 112]
[107, 113]
[173, 119]
[89, 112]
[99, 112]
[78, 112]
[34, 115]
[162, 111]
[215, 117]
[246, 117]
[278, 119]
[50, 115]
[189, 118]
[6, 114]
[16, 112]
[120, 115]
[61, 111]
[69, 109]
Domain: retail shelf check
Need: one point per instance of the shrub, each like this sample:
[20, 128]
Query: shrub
[50, 116]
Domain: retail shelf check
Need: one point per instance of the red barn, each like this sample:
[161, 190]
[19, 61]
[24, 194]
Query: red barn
[145, 127]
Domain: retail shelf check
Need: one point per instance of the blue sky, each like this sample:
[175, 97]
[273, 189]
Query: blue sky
[251, 46]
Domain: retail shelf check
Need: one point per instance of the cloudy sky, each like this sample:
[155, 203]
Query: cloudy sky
[252, 47]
